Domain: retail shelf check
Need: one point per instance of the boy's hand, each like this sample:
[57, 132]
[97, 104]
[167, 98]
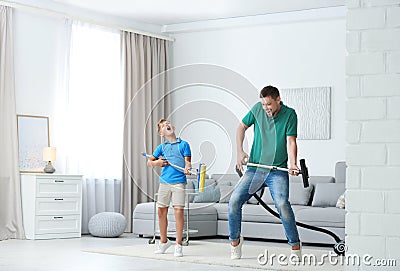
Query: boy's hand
[161, 162]
[188, 167]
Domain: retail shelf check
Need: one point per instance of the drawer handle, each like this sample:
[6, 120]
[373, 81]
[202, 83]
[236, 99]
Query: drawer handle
[58, 181]
[58, 199]
[58, 217]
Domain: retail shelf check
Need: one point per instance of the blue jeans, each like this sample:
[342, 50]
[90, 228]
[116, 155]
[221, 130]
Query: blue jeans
[278, 183]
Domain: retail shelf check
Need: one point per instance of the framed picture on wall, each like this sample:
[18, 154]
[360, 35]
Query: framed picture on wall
[33, 136]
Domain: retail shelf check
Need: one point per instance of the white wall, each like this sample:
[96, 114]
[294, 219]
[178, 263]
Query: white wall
[38, 41]
[373, 130]
[287, 55]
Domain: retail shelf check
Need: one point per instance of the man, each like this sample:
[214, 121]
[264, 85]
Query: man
[274, 143]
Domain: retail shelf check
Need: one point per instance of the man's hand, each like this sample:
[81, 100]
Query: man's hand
[294, 170]
[242, 159]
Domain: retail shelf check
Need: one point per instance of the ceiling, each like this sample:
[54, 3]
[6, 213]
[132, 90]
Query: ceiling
[167, 12]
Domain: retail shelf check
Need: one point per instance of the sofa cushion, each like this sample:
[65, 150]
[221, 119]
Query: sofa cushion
[298, 195]
[250, 212]
[313, 179]
[321, 217]
[327, 194]
[340, 172]
[211, 193]
[219, 178]
[266, 197]
[225, 193]
[253, 213]
[253, 200]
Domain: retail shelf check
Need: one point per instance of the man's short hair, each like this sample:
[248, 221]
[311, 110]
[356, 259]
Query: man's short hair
[160, 123]
[269, 91]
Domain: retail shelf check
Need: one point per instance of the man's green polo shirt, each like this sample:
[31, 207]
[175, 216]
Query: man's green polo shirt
[270, 134]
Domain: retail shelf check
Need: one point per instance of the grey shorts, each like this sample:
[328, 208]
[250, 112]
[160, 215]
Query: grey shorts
[166, 192]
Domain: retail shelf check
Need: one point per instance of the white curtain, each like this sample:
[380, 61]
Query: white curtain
[90, 116]
[146, 101]
[10, 195]
[99, 195]
[92, 134]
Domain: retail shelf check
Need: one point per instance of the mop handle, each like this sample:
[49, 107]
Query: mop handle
[175, 166]
[271, 167]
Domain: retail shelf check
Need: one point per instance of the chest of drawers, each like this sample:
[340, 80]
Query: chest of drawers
[51, 205]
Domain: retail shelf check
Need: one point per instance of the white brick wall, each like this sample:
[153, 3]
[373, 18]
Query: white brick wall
[380, 3]
[379, 224]
[353, 132]
[392, 245]
[366, 154]
[392, 200]
[381, 131]
[385, 178]
[393, 110]
[353, 3]
[353, 41]
[366, 18]
[353, 86]
[393, 61]
[373, 129]
[363, 63]
[380, 39]
[393, 154]
[353, 177]
[365, 201]
[393, 17]
[361, 245]
[366, 109]
[381, 85]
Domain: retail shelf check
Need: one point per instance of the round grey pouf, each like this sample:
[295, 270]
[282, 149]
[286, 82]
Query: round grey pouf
[107, 224]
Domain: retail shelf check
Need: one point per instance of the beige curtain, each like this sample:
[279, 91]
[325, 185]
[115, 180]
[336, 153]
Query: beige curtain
[10, 195]
[146, 101]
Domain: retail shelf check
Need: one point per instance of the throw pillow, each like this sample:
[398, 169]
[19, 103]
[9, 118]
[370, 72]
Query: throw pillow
[327, 194]
[341, 202]
[266, 197]
[225, 193]
[298, 195]
[253, 200]
[211, 194]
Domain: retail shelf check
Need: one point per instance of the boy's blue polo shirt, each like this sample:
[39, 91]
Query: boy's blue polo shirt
[174, 153]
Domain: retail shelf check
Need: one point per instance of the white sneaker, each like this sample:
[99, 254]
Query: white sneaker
[236, 252]
[295, 255]
[162, 247]
[178, 251]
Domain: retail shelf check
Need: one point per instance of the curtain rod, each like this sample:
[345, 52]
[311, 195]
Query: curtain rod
[86, 20]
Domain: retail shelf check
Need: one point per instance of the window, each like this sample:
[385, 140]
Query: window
[94, 103]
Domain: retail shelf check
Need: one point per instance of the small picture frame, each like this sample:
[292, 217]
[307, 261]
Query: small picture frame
[33, 136]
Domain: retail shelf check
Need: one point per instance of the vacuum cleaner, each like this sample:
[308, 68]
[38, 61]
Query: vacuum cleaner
[339, 248]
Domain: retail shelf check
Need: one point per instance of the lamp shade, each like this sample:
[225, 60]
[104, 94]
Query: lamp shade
[49, 154]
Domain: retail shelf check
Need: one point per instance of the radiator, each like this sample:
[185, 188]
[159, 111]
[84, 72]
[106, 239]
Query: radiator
[99, 195]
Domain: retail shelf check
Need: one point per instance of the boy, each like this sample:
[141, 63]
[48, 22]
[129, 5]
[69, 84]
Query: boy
[172, 183]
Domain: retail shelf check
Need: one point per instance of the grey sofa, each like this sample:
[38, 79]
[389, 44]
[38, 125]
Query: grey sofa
[208, 211]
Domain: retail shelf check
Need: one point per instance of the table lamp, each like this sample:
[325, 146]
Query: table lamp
[49, 155]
